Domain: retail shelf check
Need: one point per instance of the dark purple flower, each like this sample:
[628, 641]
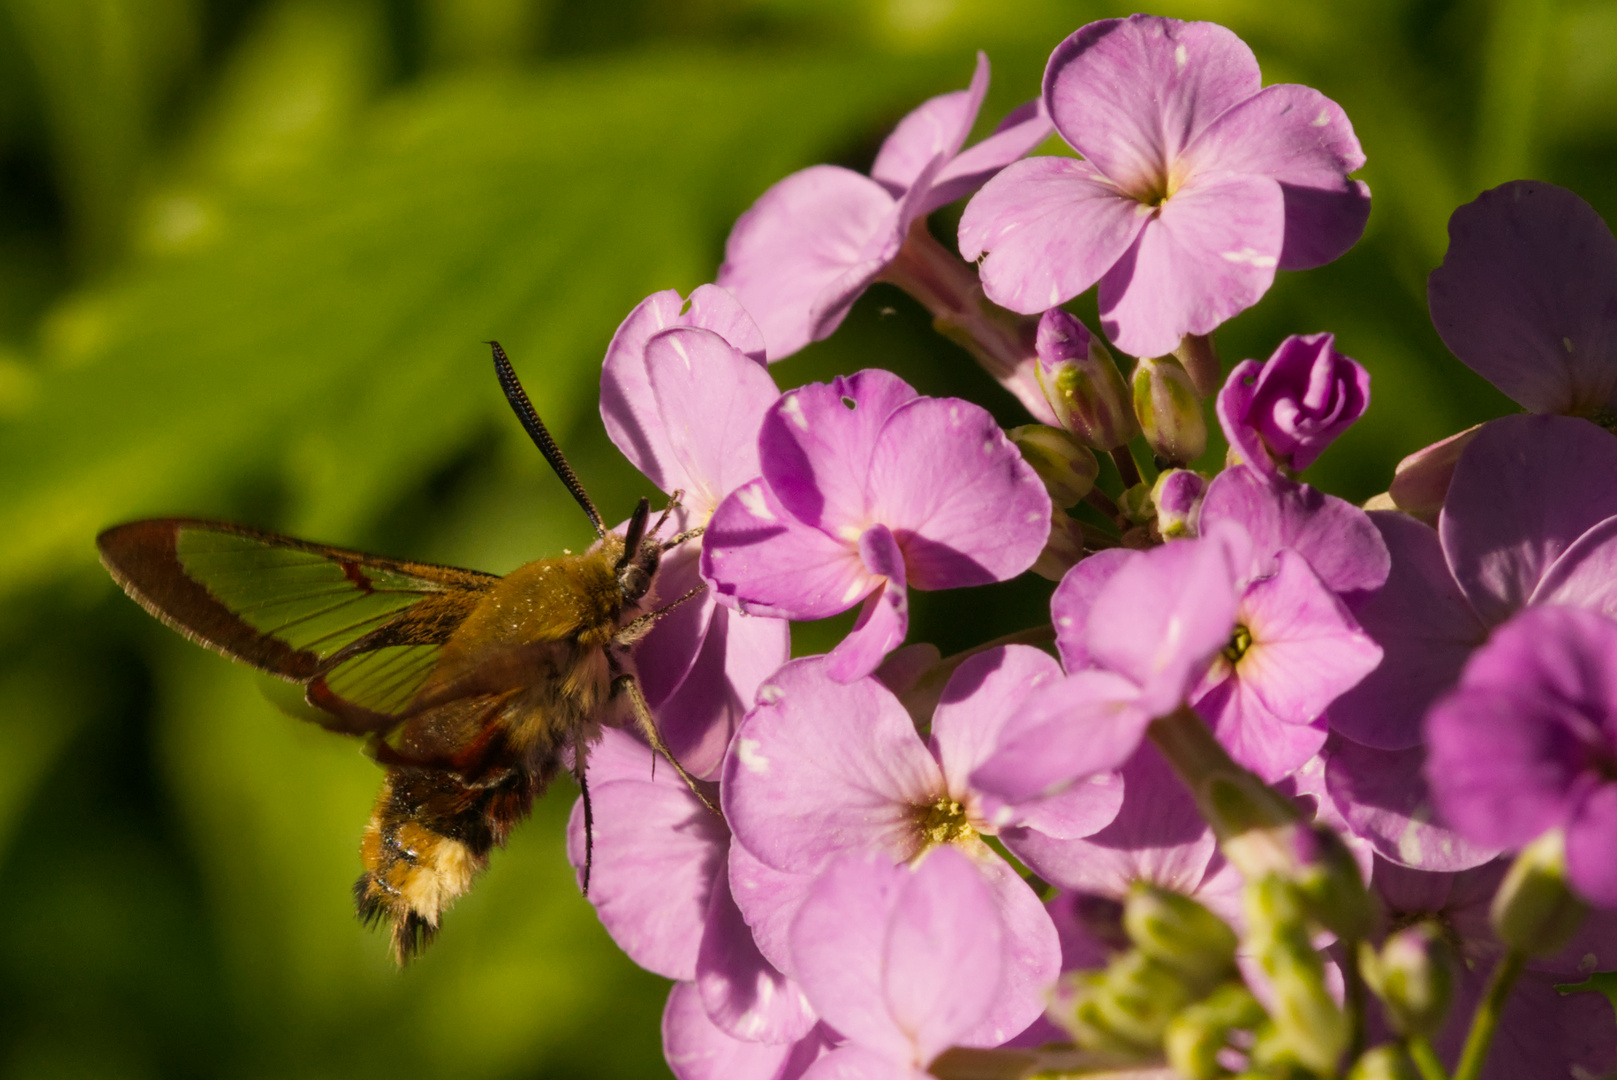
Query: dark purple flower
[1528, 742]
[1527, 297]
[814, 242]
[1196, 182]
[1282, 414]
[868, 489]
[684, 405]
[905, 961]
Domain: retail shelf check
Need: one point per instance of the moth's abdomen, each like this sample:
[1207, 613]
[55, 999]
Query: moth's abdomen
[428, 838]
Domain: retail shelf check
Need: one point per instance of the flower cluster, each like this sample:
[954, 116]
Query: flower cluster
[1296, 787]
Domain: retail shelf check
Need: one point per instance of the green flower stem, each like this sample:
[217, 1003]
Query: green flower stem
[1353, 998]
[1232, 800]
[1425, 1058]
[1486, 1019]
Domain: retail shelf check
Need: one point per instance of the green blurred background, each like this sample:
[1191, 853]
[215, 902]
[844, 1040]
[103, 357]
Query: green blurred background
[248, 252]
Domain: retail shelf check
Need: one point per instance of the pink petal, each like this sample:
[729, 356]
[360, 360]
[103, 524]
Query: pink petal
[1164, 615]
[1585, 575]
[739, 652]
[851, 1061]
[1157, 836]
[938, 126]
[1069, 606]
[1591, 841]
[665, 656]
[819, 767]
[711, 399]
[1303, 139]
[1338, 539]
[942, 964]
[628, 406]
[698, 1050]
[1254, 735]
[964, 505]
[1426, 630]
[1051, 226]
[768, 900]
[1030, 948]
[1524, 490]
[762, 560]
[658, 852]
[1131, 94]
[983, 693]
[799, 237]
[1209, 253]
[839, 945]
[743, 993]
[885, 617]
[817, 445]
[1527, 296]
[1023, 129]
[1384, 798]
[1065, 733]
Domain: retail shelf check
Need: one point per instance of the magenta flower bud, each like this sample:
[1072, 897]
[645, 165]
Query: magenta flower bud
[1282, 414]
[1178, 498]
[1082, 383]
[1067, 467]
[1169, 410]
[1420, 483]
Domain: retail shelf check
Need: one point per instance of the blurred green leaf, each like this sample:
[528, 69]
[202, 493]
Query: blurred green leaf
[330, 336]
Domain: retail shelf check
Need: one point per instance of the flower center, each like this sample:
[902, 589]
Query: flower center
[1240, 643]
[942, 821]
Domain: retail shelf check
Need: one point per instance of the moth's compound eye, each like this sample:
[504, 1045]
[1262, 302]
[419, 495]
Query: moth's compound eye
[634, 581]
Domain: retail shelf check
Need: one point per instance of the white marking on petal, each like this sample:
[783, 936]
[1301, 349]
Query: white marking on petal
[1065, 620]
[1252, 258]
[988, 446]
[794, 409]
[679, 347]
[855, 591]
[850, 533]
[753, 499]
[1322, 119]
[954, 416]
[1180, 57]
[1055, 294]
[770, 693]
[1034, 516]
[751, 759]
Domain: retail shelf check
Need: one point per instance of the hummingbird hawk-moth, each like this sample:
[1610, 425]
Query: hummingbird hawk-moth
[471, 689]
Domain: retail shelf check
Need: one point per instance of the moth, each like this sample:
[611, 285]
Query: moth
[471, 690]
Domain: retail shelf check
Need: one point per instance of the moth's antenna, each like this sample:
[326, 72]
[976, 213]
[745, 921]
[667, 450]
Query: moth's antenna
[535, 428]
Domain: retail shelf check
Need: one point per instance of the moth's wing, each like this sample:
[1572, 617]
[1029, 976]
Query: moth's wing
[362, 631]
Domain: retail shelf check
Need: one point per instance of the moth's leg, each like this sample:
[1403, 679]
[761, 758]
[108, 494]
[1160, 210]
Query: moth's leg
[689, 534]
[636, 628]
[628, 685]
[580, 771]
[673, 504]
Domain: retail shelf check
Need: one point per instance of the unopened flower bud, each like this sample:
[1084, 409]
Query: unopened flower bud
[1169, 411]
[1328, 877]
[1139, 997]
[1413, 975]
[1067, 467]
[1386, 1062]
[1178, 498]
[1420, 483]
[1310, 1029]
[1180, 934]
[1135, 504]
[1075, 1007]
[1063, 551]
[1199, 357]
[1534, 912]
[1280, 415]
[1199, 1032]
[1081, 381]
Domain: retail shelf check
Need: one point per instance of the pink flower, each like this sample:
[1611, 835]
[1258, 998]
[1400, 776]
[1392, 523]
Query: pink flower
[815, 241]
[1282, 414]
[1195, 185]
[868, 489]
